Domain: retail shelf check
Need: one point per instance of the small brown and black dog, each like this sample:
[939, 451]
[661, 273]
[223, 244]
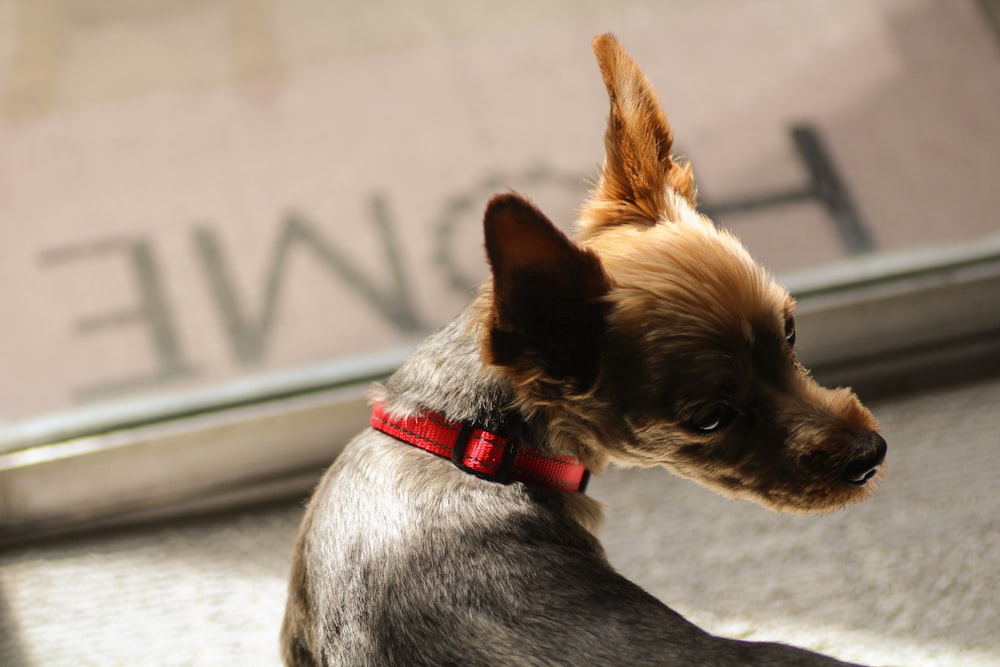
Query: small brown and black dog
[653, 340]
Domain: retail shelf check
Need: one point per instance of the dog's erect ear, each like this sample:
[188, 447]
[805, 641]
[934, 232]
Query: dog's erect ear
[637, 162]
[548, 311]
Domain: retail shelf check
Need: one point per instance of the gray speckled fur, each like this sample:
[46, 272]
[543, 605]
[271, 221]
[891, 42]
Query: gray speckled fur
[403, 559]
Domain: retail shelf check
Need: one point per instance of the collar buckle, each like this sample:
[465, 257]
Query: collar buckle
[459, 456]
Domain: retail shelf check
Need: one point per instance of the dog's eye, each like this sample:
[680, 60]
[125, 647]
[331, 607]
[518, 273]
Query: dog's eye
[790, 330]
[715, 418]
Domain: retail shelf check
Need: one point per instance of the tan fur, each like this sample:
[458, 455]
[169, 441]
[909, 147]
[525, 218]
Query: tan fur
[639, 175]
[682, 288]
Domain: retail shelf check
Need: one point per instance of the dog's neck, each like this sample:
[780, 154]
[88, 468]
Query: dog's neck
[446, 374]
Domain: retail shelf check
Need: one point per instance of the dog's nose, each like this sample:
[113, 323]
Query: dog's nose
[867, 464]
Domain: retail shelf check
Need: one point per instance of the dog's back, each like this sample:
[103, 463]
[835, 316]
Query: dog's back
[408, 562]
[393, 571]
[403, 559]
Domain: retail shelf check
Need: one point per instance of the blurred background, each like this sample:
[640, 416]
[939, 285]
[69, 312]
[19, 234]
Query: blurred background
[221, 219]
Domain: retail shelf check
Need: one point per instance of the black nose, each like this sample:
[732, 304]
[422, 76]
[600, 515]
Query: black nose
[867, 463]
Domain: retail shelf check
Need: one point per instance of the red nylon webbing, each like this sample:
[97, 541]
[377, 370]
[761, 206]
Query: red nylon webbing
[484, 451]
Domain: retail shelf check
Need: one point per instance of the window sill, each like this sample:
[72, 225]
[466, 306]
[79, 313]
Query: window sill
[879, 323]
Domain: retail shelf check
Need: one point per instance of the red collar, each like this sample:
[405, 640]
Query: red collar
[482, 453]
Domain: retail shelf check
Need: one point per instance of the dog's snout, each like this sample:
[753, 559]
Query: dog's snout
[866, 465]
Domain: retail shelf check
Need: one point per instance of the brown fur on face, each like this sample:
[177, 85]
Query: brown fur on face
[658, 340]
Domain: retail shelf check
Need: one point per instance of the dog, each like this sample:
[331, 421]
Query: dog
[455, 530]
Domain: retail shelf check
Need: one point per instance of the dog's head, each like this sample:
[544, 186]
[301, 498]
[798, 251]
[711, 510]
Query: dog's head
[658, 339]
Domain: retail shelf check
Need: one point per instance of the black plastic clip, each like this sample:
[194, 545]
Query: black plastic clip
[506, 470]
